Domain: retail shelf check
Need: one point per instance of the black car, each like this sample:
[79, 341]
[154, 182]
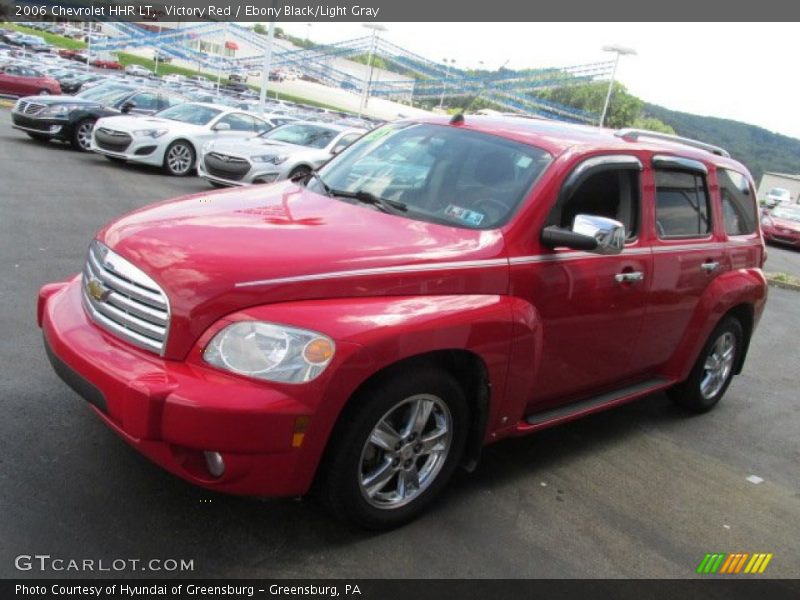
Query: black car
[72, 118]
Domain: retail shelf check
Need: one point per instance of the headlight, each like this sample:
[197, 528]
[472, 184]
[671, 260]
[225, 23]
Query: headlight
[269, 158]
[153, 133]
[271, 352]
[59, 110]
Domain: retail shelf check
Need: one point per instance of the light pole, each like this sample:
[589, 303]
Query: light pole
[375, 27]
[447, 63]
[620, 51]
[262, 99]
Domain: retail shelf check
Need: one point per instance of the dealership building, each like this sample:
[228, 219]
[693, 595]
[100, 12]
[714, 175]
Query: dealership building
[780, 180]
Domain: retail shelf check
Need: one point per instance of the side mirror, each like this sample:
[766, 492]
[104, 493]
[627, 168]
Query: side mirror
[590, 233]
[127, 107]
[222, 127]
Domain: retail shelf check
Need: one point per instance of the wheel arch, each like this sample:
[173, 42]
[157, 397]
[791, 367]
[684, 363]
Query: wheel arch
[467, 368]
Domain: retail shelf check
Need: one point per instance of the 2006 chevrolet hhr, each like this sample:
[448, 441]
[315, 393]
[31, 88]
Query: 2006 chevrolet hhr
[438, 286]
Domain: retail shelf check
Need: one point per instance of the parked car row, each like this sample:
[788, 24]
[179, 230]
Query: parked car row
[223, 138]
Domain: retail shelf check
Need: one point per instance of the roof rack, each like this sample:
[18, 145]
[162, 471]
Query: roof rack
[633, 135]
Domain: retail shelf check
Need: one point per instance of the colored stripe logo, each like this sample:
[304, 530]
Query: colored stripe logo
[734, 563]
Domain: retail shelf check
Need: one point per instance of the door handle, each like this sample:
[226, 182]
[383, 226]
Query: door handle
[629, 277]
[709, 266]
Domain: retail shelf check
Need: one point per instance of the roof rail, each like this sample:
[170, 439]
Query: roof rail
[633, 135]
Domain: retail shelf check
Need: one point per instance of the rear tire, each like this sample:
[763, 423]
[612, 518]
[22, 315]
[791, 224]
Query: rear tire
[386, 484]
[714, 369]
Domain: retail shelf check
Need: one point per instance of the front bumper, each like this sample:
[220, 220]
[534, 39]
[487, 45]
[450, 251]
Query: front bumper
[173, 411]
[150, 151]
[261, 172]
[53, 128]
[782, 236]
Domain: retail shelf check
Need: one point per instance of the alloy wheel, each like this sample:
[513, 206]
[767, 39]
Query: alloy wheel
[84, 135]
[179, 159]
[405, 451]
[718, 366]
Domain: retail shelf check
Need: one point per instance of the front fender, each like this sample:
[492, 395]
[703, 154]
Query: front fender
[380, 332]
[727, 291]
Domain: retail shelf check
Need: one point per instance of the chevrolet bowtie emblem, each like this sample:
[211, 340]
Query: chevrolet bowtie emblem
[97, 290]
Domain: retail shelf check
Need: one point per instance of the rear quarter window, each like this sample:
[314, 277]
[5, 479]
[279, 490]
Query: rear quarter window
[738, 202]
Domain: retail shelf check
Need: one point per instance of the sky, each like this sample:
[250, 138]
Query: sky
[742, 71]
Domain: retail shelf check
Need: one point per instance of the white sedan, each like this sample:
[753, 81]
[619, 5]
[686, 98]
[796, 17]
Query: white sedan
[173, 137]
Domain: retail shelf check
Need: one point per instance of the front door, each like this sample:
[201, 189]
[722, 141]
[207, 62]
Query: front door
[591, 306]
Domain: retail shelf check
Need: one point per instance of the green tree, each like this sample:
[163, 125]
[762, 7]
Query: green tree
[260, 29]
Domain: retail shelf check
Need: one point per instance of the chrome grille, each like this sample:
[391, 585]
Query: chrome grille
[123, 300]
[29, 108]
[226, 167]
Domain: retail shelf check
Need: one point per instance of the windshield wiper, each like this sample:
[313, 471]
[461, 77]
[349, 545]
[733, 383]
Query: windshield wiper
[323, 185]
[384, 204]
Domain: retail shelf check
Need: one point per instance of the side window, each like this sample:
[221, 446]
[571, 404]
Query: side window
[238, 122]
[738, 203]
[168, 101]
[682, 206]
[345, 141]
[608, 192]
[11, 71]
[145, 101]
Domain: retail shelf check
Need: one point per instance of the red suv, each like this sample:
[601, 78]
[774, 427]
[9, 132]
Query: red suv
[438, 286]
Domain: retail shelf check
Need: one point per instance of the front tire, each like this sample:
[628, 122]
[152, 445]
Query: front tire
[395, 448]
[714, 369]
[82, 135]
[179, 158]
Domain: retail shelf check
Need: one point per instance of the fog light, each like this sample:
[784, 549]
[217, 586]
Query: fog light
[214, 463]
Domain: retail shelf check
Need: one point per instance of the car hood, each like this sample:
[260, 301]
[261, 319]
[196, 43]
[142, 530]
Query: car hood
[255, 146]
[130, 123]
[220, 252]
[57, 99]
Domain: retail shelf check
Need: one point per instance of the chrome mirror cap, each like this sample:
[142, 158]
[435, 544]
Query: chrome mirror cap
[609, 234]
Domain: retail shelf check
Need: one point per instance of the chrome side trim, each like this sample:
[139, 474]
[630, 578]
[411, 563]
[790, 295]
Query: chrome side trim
[441, 266]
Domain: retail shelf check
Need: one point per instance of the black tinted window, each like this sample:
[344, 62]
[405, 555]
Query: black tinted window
[738, 203]
[682, 208]
[609, 193]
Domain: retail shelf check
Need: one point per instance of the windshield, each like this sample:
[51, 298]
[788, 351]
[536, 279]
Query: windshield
[788, 213]
[195, 114]
[106, 96]
[440, 173]
[302, 134]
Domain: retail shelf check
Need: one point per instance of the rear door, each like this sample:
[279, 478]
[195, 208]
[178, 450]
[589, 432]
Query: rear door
[688, 253]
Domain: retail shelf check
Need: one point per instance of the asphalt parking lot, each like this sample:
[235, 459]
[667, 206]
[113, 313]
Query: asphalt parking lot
[641, 491]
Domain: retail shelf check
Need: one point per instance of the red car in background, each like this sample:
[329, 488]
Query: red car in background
[16, 80]
[102, 63]
[782, 225]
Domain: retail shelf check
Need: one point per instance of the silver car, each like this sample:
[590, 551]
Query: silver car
[290, 150]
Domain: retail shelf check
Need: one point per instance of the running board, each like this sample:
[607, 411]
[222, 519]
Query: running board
[596, 404]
